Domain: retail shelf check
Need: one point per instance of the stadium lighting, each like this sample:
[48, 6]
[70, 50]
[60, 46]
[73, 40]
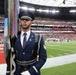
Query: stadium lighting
[50, 11]
[31, 9]
[57, 11]
[54, 11]
[40, 10]
[24, 8]
[72, 11]
[47, 11]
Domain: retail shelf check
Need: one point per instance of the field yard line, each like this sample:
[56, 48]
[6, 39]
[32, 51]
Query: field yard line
[53, 45]
[61, 60]
[63, 49]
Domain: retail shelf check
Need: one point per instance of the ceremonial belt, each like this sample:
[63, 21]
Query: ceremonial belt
[26, 63]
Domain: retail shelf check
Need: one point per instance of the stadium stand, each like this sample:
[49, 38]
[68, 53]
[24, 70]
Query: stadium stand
[53, 28]
[49, 28]
[1, 32]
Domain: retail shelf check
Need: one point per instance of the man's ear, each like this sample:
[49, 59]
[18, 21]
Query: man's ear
[31, 23]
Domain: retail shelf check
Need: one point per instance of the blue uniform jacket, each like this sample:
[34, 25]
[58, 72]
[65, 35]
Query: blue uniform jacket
[29, 53]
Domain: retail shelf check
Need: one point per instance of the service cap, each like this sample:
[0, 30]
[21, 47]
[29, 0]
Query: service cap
[27, 15]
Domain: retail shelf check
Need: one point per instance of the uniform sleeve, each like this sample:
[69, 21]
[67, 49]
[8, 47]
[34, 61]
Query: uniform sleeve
[42, 58]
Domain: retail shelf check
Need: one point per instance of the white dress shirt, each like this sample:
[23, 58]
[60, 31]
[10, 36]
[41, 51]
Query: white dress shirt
[21, 39]
[22, 36]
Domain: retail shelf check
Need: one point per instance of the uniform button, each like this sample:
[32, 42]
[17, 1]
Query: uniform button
[23, 52]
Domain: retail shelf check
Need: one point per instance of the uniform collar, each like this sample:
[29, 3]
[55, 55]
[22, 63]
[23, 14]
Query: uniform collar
[28, 33]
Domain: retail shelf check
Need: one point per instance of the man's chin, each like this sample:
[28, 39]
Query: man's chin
[25, 27]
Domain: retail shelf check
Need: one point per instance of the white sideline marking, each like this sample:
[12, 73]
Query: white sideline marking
[53, 45]
[51, 62]
[3, 69]
[61, 60]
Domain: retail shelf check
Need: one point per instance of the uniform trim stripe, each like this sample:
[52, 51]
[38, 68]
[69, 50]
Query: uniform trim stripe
[35, 69]
[38, 47]
[39, 44]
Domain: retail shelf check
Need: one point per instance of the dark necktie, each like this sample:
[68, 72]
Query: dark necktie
[24, 40]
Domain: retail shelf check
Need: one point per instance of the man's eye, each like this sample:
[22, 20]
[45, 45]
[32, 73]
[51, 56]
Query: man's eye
[27, 20]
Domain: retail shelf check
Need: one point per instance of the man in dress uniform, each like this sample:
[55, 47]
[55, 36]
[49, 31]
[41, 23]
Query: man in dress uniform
[29, 48]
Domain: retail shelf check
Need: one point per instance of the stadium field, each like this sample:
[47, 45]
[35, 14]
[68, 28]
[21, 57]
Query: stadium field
[69, 69]
[55, 49]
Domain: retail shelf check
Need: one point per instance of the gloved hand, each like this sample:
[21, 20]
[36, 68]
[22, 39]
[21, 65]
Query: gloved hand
[25, 73]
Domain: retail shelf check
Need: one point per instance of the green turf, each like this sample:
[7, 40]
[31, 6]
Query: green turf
[55, 49]
[58, 49]
[69, 69]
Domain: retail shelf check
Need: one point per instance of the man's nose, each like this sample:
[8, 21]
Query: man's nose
[25, 20]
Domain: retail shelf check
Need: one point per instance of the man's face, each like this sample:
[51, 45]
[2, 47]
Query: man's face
[25, 23]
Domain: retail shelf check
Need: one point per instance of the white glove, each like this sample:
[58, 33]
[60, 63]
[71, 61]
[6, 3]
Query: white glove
[25, 73]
